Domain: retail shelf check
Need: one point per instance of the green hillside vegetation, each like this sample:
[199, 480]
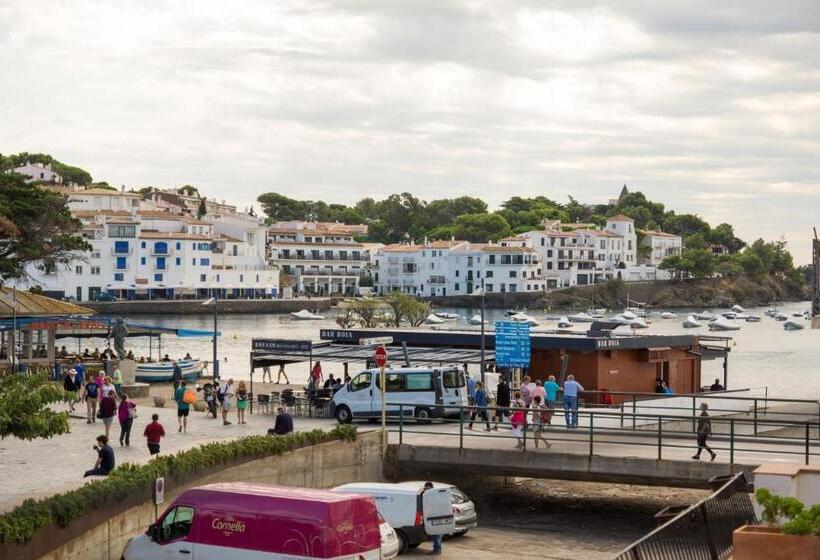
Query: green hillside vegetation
[70, 173]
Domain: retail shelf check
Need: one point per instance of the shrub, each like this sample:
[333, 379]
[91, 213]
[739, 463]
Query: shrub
[22, 523]
[788, 514]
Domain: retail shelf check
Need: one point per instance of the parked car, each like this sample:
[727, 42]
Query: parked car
[466, 517]
[103, 296]
[390, 540]
[424, 391]
[412, 512]
[236, 520]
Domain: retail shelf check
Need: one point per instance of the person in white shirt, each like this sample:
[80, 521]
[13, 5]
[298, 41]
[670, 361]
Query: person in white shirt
[571, 390]
[226, 392]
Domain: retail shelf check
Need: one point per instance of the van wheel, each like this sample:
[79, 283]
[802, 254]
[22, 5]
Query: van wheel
[343, 415]
[423, 415]
[404, 544]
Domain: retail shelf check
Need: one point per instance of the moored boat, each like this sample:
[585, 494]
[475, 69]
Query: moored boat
[691, 323]
[564, 323]
[475, 319]
[704, 316]
[434, 320]
[305, 315]
[737, 309]
[581, 318]
[752, 318]
[669, 315]
[524, 318]
[792, 325]
[723, 324]
[158, 372]
[638, 323]
[448, 316]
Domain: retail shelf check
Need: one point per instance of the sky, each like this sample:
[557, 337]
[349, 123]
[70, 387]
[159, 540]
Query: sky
[709, 107]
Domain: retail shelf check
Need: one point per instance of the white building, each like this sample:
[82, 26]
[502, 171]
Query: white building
[658, 245]
[38, 172]
[445, 268]
[319, 258]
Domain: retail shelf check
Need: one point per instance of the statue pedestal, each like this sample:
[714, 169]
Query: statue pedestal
[128, 369]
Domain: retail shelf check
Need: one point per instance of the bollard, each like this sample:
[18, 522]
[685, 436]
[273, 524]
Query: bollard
[660, 438]
[591, 417]
[755, 418]
[731, 442]
[807, 442]
[401, 424]
[461, 429]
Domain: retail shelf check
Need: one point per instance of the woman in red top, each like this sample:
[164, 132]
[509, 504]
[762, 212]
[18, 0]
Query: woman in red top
[316, 374]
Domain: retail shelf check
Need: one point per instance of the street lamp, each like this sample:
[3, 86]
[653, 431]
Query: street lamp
[212, 301]
[480, 291]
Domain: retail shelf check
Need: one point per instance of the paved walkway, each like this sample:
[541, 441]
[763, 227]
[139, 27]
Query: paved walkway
[39, 468]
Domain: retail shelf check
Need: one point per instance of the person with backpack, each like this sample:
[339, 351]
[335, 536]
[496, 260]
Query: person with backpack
[502, 402]
[183, 408]
[90, 395]
[126, 413]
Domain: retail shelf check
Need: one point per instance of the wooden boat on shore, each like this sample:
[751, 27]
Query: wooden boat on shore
[162, 372]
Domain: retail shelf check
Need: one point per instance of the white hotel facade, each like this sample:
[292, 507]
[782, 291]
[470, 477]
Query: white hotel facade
[141, 252]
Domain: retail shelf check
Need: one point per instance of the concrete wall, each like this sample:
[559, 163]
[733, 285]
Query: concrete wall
[195, 307]
[103, 535]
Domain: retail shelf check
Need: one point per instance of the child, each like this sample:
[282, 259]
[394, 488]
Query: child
[241, 403]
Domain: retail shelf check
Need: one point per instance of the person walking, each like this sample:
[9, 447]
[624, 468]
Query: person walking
[437, 539]
[183, 408]
[518, 419]
[78, 367]
[571, 390]
[126, 413]
[280, 374]
[704, 432]
[176, 376]
[470, 390]
[502, 402]
[154, 432]
[90, 394]
[108, 386]
[527, 388]
[105, 458]
[283, 423]
[266, 372]
[316, 374]
[480, 406]
[117, 378]
[241, 402]
[551, 388]
[70, 386]
[539, 391]
[226, 394]
[108, 410]
[539, 418]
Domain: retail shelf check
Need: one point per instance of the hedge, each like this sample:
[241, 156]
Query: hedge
[23, 522]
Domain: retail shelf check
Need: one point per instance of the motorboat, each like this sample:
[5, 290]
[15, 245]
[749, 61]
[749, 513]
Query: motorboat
[596, 313]
[524, 318]
[669, 315]
[731, 315]
[305, 315]
[581, 318]
[691, 323]
[737, 309]
[752, 318]
[791, 325]
[781, 316]
[447, 316]
[476, 319]
[434, 320]
[629, 315]
[723, 324]
[564, 323]
[638, 323]
[704, 316]
[511, 312]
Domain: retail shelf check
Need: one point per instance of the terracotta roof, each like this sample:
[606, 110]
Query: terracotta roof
[196, 222]
[443, 244]
[599, 232]
[223, 237]
[310, 232]
[402, 248]
[158, 214]
[25, 304]
[107, 192]
[659, 234]
[151, 234]
[620, 218]
[92, 213]
[498, 249]
[513, 238]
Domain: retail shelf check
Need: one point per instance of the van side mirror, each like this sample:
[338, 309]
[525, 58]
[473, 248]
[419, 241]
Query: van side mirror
[154, 533]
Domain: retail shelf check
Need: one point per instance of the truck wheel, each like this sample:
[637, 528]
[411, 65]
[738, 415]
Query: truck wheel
[343, 415]
[404, 545]
[423, 415]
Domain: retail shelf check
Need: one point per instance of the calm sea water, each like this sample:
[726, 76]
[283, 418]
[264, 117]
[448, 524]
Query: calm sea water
[763, 354]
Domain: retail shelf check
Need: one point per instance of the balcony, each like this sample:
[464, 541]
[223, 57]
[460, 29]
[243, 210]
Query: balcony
[320, 258]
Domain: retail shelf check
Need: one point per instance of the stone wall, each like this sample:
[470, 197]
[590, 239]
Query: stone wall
[195, 307]
[104, 534]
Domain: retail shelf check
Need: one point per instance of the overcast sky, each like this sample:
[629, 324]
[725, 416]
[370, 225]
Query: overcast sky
[709, 107]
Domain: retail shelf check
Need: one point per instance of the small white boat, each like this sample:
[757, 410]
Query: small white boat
[448, 316]
[476, 319]
[781, 316]
[305, 315]
[752, 318]
[434, 320]
[619, 318]
[723, 324]
[581, 318]
[564, 323]
[162, 372]
[795, 314]
[691, 323]
[771, 312]
[669, 315]
[511, 312]
[791, 325]
[731, 315]
[597, 313]
[638, 323]
[704, 316]
[629, 315]
[737, 309]
[524, 318]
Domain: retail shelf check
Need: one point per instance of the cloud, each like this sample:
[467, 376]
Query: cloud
[708, 108]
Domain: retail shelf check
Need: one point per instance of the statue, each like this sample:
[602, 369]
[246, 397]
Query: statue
[119, 332]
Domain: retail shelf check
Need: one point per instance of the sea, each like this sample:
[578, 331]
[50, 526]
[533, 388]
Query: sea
[763, 354]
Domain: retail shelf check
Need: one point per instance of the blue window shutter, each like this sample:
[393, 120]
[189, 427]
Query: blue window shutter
[179, 261]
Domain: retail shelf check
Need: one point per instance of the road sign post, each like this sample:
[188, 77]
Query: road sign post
[380, 358]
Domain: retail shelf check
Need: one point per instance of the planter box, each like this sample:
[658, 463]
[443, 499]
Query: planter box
[754, 542]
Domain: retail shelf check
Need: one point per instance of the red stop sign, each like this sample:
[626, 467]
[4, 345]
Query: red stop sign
[381, 356]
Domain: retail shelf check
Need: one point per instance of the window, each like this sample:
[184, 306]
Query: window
[142, 261]
[488, 274]
[193, 262]
[492, 259]
[202, 277]
[122, 263]
[121, 247]
[205, 262]
[179, 245]
[161, 248]
[394, 382]
[157, 277]
[453, 379]
[488, 287]
[95, 270]
[179, 261]
[418, 381]
[122, 231]
[160, 263]
[241, 277]
[142, 244]
[513, 274]
[118, 276]
[176, 524]
[361, 381]
[78, 270]
[95, 254]
[457, 287]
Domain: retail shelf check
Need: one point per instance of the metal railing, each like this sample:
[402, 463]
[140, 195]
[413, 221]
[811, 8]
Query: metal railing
[596, 432]
[702, 531]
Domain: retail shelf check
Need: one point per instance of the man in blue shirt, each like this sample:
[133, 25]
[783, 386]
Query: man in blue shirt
[470, 390]
[571, 390]
[480, 407]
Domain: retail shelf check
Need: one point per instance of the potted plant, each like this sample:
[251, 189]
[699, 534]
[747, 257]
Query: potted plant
[200, 406]
[790, 531]
[159, 401]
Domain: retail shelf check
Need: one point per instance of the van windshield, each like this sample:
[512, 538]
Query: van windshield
[453, 378]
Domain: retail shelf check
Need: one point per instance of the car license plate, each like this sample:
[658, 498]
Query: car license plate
[442, 521]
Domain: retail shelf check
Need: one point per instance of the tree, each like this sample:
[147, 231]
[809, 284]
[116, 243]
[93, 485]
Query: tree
[36, 228]
[188, 190]
[724, 235]
[202, 209]
[278, 207]
[751, 264]
[69, 173]
[684, 224]
[398, 303]
[366, 310]
[417, 312]
[481, 228]
[674, 265]
[24, 407]
[347, 319]
[698, 263]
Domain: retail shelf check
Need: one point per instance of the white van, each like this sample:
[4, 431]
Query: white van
[425, 391]
[414, 513]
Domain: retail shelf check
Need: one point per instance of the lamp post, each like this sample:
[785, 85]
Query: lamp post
[480, 292]
[212, 301]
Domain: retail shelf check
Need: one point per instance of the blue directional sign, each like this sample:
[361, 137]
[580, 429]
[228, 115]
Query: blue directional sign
[512, 344]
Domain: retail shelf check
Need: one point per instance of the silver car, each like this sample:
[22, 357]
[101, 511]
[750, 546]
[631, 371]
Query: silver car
[464, 510]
